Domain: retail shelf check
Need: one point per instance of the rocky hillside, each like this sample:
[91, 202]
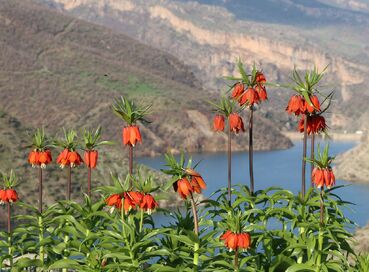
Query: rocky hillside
[353, 164]
[209, 38]
[60, 71]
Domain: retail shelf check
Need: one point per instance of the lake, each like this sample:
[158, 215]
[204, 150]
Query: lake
[280, 168]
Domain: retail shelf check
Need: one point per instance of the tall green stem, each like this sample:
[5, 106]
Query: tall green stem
[66, 250]
[320, 245]
[141, 219]
[321, 208]
[236, 265]
[320, 238]
[251, 151]
[10, 248]
[196, 230]
[41, 238]
[134, 261]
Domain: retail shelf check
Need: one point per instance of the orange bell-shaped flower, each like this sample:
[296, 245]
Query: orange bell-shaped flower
[261, 92]
[131, 135]
[148, 203]
[296, 105]
[260, 78]
[62, 159]
[218, 123]
[74, 159]
[251, 97]
[3, 198]
[11, 195]
[136, 197]
[315, 104]
[114, 200]
[238, 90]
[244, 241]
[128, 203]
[44, 158]
[183, 187]
[90, 158]
[235, 123]
[33, 158]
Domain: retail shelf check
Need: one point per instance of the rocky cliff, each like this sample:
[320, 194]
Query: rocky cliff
[209, 39]
[353, 164]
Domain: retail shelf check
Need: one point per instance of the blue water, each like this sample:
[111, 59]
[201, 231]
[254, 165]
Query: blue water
[280, 168]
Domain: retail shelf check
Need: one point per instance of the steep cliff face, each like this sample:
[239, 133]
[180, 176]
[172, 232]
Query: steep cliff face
[209, 39]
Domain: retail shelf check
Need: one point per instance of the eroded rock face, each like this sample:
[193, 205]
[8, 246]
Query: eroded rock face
[209, 39]
[353, 164]
[361, 240]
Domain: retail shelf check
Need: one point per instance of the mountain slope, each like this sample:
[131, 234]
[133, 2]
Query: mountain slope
[69, 71]
[209, 38]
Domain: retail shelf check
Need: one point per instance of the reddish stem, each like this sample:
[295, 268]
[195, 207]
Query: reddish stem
[195, 217]
[303, 170]
[40, 190]
[251, 152]
[9, 220]
[229, 153]
[130, 164]
[312, 155]
[69, 181]
[89, 182]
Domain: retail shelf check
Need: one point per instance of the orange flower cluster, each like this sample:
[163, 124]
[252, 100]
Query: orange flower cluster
[186, 187]
[129, 200]
[8, 196]
[131, 135]
[235, 123]
[298, 105]
[39, 158]
[235, 241]
[90, 158]
[321, 177]
[253, 94]
[315, 124]
[69, 158]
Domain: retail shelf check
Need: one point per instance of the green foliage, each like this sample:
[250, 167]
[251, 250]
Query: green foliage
[129, 111]
[10, 181]
[91, 139]
[40, 141]
[323, 160]
[70, 140]
[286, 234]
[225, 106]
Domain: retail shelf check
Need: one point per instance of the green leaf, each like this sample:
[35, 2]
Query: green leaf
[301, 267]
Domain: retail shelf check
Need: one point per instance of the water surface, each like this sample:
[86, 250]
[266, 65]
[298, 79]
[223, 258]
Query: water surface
[280, 168]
